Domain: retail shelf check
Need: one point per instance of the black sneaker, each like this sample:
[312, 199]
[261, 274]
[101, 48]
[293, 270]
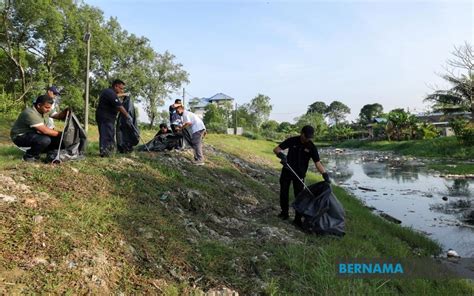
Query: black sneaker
[30, 158]
[283, 216]
[297, 223]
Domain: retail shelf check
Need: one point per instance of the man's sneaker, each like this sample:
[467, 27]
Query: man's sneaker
[298, 223]
[30, 158]
[283, 216]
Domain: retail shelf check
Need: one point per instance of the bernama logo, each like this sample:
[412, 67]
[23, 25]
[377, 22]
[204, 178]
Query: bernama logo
[370, 268]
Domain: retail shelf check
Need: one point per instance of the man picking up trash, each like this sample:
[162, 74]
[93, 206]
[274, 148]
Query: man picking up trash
[31, 130]
[300, 150]
[106, 113]
[198, 132]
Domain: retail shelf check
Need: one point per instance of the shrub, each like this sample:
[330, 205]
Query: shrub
[217, 128]
[463, 130]
[251, 135]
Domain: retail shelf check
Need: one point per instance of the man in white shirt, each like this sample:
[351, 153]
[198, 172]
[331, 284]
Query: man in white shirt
[198, 132]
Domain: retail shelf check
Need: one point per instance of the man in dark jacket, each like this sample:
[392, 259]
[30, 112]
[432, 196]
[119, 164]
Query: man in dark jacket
[300, 150]
[106, 113]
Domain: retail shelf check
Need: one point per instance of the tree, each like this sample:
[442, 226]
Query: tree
[460, 97]
[316, 120]
[270, 125]
[259, 109]
[369, 112]
[163, 116]
[286, 127]
[337, 111]
[317, 107]
[400, 125]
[214, 114]
[163, 77]
[244, 118]
[41, 44]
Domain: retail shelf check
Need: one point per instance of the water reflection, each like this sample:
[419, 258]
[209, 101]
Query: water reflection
[404, 188]
[460, 187]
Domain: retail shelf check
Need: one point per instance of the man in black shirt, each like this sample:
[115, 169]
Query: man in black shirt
[300, 150]
[106, 113]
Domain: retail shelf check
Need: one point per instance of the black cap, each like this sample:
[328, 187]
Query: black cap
[54, 90]
[308, 131]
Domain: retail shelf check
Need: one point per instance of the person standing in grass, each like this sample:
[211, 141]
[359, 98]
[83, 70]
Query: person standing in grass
[198, 132]
[300, 150]
[106, 113]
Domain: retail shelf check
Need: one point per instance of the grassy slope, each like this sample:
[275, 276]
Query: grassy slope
[128, 224]
[442, 148]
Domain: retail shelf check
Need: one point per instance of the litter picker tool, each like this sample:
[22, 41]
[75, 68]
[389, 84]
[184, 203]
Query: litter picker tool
[57, 159]
[138, 134]
[298, 177]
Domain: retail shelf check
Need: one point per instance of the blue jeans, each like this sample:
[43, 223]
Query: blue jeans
[106, 135]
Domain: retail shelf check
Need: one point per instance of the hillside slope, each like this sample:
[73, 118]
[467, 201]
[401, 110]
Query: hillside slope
[154, 223]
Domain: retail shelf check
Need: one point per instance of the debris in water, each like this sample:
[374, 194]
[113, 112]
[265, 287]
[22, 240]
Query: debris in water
[367, 189]
[453, 254]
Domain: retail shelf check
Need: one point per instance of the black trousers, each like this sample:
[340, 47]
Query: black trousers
[106, 135]
[38, 143]
[286, 178]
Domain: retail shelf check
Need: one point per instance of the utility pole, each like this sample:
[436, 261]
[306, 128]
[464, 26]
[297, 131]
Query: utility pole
[235, 117]
[183, 95]
[87, 38]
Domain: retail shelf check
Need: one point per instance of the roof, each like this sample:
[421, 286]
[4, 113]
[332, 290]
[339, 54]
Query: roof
[379, 120]
[203, 102]
[220, 97]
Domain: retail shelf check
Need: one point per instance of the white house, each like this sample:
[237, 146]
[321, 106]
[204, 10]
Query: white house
[199, 105]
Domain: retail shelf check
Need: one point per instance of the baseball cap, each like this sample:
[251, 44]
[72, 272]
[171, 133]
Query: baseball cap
[308, 131]
[54, 89]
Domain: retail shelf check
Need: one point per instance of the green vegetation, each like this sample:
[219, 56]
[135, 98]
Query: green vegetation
[445, 147]
[149, 223]
[42, 44]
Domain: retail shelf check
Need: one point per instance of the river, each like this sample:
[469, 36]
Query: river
[406, 189]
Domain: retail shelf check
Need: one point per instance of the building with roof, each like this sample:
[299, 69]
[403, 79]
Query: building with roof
[441, 120]
[198, 105]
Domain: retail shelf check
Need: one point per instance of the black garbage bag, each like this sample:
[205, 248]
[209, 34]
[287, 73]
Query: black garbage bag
[126, 135]
[322, 212]
[74, 141]
[162, 143]
[181, 140]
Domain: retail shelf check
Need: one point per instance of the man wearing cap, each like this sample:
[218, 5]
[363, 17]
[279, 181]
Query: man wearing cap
[106, 113]
[52, 92]
[31, 130]
[300, 150]
[175, 119]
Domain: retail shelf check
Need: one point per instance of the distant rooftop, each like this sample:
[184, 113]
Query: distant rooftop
[203, 102]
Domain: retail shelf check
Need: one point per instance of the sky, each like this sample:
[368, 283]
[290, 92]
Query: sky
[299, 52]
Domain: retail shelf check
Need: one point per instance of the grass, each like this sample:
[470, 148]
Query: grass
[451, 154]
[444, 147]
[126, 225]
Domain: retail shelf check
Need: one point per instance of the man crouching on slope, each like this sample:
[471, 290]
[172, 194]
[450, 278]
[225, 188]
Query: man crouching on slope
[198, 132]
[300, 150]
[31, 130]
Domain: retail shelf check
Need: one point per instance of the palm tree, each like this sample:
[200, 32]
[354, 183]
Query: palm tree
[457, 99]
[460, 97]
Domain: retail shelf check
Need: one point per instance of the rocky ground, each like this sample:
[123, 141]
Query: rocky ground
[243, 216]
